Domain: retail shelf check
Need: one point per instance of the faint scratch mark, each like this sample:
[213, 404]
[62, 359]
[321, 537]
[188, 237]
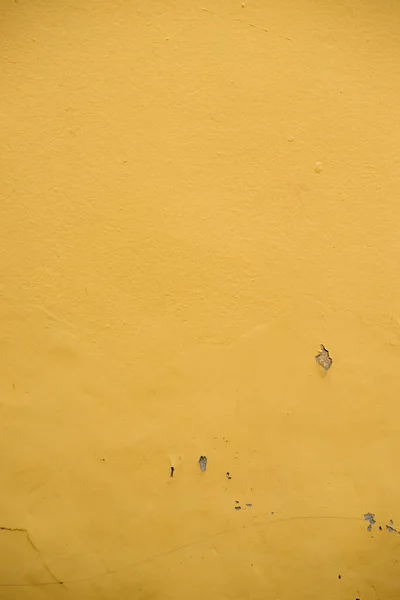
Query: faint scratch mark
[239, 20]
[181, 547]
[205, 539]
[55, 317]
[37, 551]
[252, 25]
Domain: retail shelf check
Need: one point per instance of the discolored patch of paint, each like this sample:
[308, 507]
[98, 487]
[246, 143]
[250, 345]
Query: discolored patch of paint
[323, 358]
[203, 463]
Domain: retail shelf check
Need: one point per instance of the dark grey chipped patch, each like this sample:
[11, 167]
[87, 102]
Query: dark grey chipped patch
[370, 517]
[203, 463]
[391, 522]
[238, 508]
[323, 358]
[249, 505]
[391, 529]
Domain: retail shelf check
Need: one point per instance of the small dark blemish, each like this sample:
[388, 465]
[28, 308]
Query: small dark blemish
[172, 471]
[237, 501]
[339, 577]
[380, 528]
[103, 459]
[228, 475]
[238, 508]
[249, 505]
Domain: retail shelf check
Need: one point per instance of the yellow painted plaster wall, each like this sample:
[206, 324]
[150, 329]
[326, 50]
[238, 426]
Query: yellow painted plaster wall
[194, 197]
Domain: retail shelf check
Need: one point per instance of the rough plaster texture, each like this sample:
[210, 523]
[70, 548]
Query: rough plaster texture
[195, 196]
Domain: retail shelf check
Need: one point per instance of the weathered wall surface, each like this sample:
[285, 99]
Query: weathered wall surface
[194, 197]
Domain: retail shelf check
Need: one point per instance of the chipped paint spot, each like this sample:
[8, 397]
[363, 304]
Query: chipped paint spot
[203, 463]
[323, 358]
[370, 517]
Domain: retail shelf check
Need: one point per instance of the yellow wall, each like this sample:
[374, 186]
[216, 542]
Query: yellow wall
[195, 196]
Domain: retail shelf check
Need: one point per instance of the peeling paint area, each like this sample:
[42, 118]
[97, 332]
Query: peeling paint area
[203, 463]
[370, 517]
[323, 358]
[391, 529]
